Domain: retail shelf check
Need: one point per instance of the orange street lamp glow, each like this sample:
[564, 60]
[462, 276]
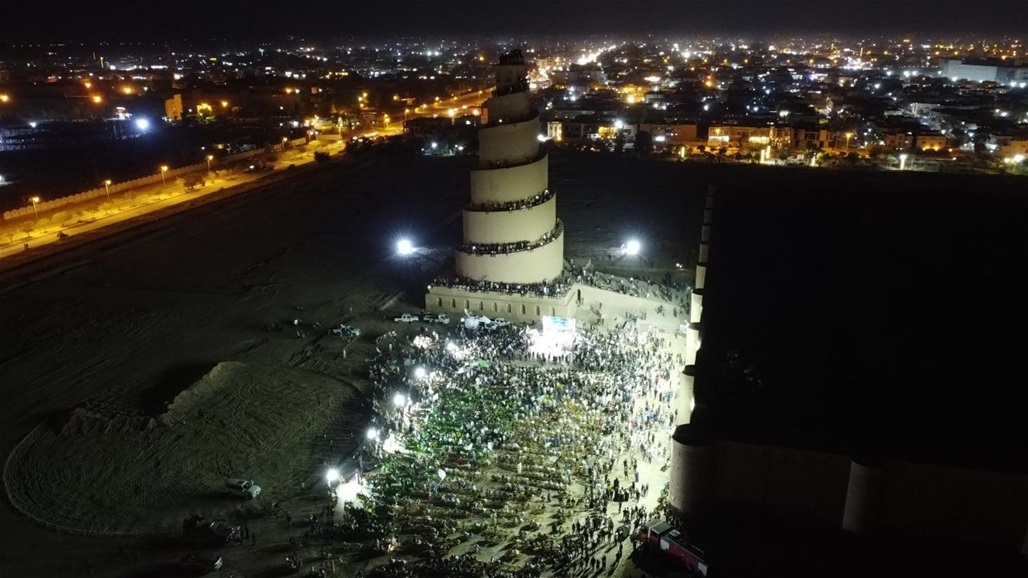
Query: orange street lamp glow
[127, 90]
[97, 99]
[4, 98]
[107, 188]
[224, 104]
[164, 169]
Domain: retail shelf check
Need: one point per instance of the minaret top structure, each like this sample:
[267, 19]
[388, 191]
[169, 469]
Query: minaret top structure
[511, 73]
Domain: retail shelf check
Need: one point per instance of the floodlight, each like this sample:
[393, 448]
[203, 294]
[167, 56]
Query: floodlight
[332, 475]
[404, 247]
[632, 247]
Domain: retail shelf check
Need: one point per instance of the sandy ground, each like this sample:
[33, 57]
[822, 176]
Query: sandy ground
[127, 324]
[105, 471]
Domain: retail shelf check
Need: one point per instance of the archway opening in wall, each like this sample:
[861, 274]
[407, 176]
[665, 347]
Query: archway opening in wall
[481, 306]
[508, 308]
[467, 304]
[453, 303]
[496, 307]
[553, 312]
[522, 309]
[537, 310]
[439, 302]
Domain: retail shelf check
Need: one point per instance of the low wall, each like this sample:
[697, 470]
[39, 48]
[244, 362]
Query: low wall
[491, 304]
[941, 501]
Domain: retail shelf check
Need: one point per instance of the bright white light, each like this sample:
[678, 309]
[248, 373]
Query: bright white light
[399, 400]
[404, 247]
[332, 476]
[451, 346]
[142, 124]
[350, 491]
[435, 145]
[541, 138]
[420, 372]
[372, 433]
[632, 247]
[619, 125]
[391, 444]
[33, 124]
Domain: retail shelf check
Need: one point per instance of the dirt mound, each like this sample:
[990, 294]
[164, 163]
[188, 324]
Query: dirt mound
[115, 474]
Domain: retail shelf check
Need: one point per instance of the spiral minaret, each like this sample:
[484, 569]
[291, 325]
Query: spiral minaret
[511, 230]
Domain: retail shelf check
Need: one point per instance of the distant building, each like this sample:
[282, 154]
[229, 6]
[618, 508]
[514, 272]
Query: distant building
[992, 70]
[173, 107]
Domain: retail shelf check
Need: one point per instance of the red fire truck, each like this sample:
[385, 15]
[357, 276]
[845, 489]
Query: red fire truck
[662, 536]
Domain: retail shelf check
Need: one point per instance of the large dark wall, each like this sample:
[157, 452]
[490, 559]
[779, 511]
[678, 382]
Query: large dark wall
[878, 311]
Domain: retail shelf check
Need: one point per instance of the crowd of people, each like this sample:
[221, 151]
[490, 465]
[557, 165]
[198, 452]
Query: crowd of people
[502, 465]
[556, 288]
[515, 247]
[516, 205]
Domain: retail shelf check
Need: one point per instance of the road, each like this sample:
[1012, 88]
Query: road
[164, 196]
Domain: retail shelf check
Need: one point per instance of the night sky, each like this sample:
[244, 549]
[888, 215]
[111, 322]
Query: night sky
[313, 19]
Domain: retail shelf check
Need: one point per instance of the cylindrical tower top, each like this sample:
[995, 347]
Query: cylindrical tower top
[511, 73]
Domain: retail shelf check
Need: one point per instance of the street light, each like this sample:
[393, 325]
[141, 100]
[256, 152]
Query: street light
[849, 135]
[164, 169]
[284, 141]
[632, 247]
[107, 189]
[209, 159]
[332, 476]
[903, 161]
[35, 201]
[404, 247]
[399, 400]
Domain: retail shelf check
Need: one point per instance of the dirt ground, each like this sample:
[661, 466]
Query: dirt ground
[124, 326]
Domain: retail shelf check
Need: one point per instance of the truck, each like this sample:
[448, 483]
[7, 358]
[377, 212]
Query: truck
[660, 536]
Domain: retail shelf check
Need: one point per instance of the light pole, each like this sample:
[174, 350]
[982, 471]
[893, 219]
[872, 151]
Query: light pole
[284, 141]
[107, 189]
[164, 169]
[848, 136]
[35, 201]
[903, 161]
[209, 159]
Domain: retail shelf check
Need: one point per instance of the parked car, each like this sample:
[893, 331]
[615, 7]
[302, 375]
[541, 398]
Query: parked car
[347, 331]
[441, 318]
[200, 531]
[498, 323]
[243, 488]
[202, 562]
[406, 318]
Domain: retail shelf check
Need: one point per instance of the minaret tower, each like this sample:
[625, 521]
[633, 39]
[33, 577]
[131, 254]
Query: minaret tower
[511, 231]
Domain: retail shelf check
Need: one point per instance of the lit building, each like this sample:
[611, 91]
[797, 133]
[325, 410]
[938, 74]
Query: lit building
[512, 236]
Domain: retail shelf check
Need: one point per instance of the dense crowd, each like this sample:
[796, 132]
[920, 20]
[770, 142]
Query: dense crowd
[516, 246]
[516, 205]
[556, 288]
[507, 466]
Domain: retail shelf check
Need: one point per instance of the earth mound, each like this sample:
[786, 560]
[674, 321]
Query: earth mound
[128, 475]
